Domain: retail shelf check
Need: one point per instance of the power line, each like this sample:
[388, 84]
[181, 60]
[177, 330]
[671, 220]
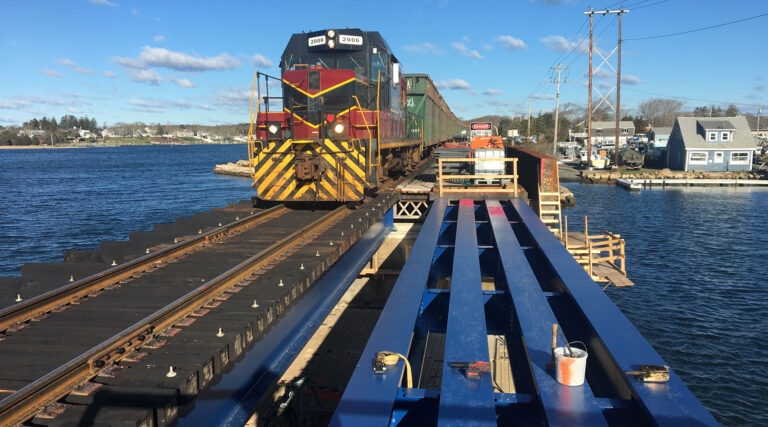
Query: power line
[648, 5]
[683, 98]
[698, 29]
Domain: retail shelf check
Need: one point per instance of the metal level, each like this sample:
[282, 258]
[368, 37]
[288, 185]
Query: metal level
[487, 268]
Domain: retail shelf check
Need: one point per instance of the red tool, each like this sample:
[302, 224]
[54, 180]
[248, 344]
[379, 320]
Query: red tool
[472, 369]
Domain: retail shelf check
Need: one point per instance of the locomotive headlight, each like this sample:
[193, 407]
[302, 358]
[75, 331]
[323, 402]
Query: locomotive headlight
[331, 44]
[338, 128]
[331, 34]
[273, 129]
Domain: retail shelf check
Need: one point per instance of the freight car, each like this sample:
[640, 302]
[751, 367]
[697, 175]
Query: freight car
[344, 121]
[440, 124]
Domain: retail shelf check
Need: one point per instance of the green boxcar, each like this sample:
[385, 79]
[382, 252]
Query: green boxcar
[427, 107]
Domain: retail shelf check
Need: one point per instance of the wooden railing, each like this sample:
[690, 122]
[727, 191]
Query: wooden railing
[596, 248]
[467, 188]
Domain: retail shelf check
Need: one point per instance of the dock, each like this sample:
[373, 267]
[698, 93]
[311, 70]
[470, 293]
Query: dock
[640, 183]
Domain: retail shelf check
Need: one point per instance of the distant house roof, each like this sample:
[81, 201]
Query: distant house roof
[624, 124]
[742, 137]
[717, 123]
[662, 131]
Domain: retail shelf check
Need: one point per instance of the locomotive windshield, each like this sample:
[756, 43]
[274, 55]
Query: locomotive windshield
[342, 61]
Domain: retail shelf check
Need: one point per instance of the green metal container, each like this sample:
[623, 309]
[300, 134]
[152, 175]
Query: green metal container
[425, 102]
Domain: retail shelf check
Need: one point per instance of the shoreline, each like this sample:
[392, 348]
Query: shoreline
[612, 176]
[57, 147]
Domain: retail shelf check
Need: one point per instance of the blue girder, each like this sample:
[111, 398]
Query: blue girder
[538, 283]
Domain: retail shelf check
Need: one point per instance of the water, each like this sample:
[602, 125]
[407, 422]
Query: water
[60, 199]
[698, 260]
[697, 256]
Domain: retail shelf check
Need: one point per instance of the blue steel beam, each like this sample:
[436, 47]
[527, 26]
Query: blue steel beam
[230, 401]
[369, 397]
[464, 401]
[563, 405]
[670, 403]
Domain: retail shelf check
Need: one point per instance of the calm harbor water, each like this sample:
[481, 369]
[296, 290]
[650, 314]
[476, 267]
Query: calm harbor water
[52, 200]
[698, 260]
[697, 256]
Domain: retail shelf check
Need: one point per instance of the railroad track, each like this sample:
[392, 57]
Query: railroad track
[14, 318]
[98, 351]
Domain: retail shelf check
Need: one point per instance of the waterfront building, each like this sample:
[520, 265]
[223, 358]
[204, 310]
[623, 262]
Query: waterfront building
[713, 144]
[604, 133]
[657, 140]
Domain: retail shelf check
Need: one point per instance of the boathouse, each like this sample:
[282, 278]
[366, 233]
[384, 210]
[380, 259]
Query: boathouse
[712, 144]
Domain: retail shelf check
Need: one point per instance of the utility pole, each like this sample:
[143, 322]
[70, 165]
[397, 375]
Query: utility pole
[558, 69]
[589, 106]
[617, 110]
[529, 119]
[618, 98]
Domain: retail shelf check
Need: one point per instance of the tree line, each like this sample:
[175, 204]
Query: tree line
[656, 112]
[65, 123]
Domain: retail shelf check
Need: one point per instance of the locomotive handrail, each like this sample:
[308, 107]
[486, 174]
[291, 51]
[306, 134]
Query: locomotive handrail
[250, 141]
[367, 128]
[378, 126]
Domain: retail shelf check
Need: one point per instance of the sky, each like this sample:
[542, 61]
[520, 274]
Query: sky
[183, 62]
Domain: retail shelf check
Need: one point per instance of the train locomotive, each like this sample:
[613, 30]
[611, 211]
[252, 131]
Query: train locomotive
[347, 119]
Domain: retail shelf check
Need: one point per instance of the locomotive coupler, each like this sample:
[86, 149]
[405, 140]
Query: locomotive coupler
[309, 168]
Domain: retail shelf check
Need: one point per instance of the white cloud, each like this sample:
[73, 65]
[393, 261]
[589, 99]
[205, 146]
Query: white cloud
[237, 97]
[65, 61]
[459, 47]
[70, 63]
[109, 74]
[487, 46]
[159, 39]
[51, 73]
[510, 43]
[542, 96]
[604, 85]
[187, 105]
[146, 106]
[72, 109]
[475, 54]
[601, 74]
[464, 50]
[630, 80]
[461, 107]
[261, 61]
[11, 105]
[159, 57]
[422, 48]
[182, 82]
[26, 101]
[155, 105]
[455, 84]
[561, 44]
[103, 2]
[495, 103]
[146, 76]
[491, 92]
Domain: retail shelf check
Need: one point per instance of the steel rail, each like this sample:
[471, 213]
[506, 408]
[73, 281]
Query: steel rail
[31, 399]
[44, 303]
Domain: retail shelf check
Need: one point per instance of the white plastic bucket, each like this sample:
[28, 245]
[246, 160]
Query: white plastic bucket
[570, 370]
